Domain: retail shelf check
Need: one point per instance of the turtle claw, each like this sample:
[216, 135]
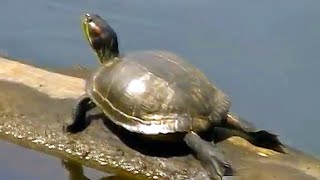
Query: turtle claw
[228, 178]
[209, 156]
[64, 128]
[216, 166]
[68, 129]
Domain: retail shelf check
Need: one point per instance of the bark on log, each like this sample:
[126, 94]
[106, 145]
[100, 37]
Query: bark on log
[35, 104]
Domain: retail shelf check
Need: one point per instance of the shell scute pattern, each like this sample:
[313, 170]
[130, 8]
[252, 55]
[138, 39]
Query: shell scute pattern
[156, 88]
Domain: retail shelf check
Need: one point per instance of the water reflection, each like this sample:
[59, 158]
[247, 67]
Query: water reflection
[76, 172]
[27, 164]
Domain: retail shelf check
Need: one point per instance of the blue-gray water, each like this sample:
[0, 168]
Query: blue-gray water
[20, 163]
[264, 54]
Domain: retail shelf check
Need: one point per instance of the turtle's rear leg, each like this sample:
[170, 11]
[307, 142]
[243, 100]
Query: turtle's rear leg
[261, 138]
[209, 156]
[83, 105]
[267, 140]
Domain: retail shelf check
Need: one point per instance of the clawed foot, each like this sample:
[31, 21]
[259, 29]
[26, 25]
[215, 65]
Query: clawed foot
[68, 129]
[209, 156]
[215, 164]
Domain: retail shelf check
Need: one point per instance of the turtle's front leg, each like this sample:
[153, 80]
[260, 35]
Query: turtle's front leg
[83, 105]
[209, 156]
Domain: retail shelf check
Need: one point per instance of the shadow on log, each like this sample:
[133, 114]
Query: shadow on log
[35, 104]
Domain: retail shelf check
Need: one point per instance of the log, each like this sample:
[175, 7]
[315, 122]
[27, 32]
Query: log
[35, 104]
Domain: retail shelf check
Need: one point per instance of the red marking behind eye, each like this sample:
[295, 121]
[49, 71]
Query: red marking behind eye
[95, 29]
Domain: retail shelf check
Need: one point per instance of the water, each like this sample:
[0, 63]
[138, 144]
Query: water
[264, 54]
[30, 165]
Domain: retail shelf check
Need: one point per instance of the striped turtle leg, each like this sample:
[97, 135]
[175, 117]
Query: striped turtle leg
[83, 105]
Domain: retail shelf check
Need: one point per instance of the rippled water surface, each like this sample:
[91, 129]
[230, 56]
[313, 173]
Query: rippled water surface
[264, 54]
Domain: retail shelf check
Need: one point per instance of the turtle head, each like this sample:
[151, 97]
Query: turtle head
[101, 37]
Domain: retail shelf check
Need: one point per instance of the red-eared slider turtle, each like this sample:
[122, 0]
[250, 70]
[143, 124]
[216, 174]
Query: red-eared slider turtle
[157, 93]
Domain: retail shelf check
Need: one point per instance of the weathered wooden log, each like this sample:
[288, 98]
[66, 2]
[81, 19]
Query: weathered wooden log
[35, 104]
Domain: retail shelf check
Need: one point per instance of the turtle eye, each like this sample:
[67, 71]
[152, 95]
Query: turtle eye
[88, 18]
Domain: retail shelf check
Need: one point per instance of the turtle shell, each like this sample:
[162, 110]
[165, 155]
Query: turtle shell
[153, 92]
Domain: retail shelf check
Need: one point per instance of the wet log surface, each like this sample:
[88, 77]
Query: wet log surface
[35, 104]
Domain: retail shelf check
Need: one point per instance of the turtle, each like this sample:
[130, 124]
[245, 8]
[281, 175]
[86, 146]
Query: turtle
[157, 93]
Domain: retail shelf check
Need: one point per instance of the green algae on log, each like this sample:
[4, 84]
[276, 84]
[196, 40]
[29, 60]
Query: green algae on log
[35, 104]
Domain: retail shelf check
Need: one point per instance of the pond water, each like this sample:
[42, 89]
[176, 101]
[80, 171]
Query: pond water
[264, 54]
[22, 163]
